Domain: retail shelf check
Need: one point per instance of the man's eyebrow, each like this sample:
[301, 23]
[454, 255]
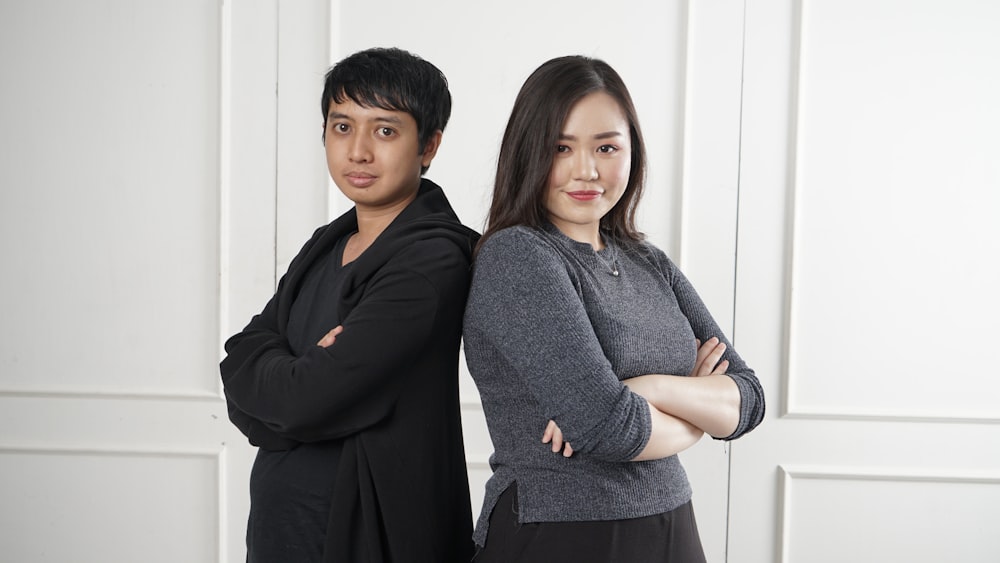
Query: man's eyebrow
[599, 136]
[391, 119]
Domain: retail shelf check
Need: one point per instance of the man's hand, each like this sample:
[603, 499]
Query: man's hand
[330, 337]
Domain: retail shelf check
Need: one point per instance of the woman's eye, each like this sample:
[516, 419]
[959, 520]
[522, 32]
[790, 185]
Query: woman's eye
[562, 148]
[607, 149]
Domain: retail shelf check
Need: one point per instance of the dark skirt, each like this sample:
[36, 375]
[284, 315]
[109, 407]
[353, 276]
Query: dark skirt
[671, 537]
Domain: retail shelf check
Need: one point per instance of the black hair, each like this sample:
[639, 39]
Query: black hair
[391, 79]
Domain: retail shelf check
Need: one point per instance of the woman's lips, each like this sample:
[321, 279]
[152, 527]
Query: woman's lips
[584, 195]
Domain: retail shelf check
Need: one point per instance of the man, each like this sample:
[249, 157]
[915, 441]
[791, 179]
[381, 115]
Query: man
[348, 379]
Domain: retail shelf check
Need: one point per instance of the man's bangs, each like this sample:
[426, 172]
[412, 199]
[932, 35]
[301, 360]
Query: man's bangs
[373, 97]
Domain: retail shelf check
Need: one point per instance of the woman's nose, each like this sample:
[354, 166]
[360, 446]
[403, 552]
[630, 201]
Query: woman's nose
[584, 167]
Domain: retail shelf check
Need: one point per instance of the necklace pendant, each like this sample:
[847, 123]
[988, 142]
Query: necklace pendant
[614, 272]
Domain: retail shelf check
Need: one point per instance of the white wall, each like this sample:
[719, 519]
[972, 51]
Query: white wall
[867, 276]
[160, 164]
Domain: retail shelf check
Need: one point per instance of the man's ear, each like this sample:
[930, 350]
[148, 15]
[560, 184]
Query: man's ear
[431, 148]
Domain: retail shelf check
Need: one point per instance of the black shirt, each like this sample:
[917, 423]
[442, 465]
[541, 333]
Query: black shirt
[290, 490]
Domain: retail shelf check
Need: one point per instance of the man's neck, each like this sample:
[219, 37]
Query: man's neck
[371, 223]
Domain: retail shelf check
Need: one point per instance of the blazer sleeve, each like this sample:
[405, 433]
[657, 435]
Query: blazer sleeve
[705, 327]
[333, 392]
[524, 306]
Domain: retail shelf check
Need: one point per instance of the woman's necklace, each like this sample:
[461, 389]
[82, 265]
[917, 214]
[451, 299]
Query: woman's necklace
[611, 265]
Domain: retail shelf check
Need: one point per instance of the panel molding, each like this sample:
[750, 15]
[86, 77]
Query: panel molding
[898, 474]
[118, 451]
[789, 406]
[225, 166]
[789, 473]
[469, 404]
[483, 465]
[74, 449]
[795, 411]
[118, 393]
[213, 454]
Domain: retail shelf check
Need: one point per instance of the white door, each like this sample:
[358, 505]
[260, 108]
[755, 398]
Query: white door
[137, 231]
[867, 282]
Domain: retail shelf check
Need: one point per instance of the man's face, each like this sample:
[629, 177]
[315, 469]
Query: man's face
[373, 154]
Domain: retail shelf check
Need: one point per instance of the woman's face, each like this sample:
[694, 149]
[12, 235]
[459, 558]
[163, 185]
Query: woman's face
[590, 169]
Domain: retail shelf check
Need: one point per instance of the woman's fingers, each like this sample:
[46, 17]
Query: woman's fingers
[557, 438]
[554, 434]
[707, 360]
[703, 351]
[713, 358]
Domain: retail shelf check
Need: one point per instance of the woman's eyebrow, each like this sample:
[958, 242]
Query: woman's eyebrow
[605, 135]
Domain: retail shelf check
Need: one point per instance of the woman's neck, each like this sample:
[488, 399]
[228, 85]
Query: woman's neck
[589, 234]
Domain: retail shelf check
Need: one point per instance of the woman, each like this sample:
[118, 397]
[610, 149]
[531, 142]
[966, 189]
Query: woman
[580, 333]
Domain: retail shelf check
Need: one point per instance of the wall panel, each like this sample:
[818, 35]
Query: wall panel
[923, 509]
[868, 186]
[133, 184]
[110, 170]
[894, 213]
[108, 505]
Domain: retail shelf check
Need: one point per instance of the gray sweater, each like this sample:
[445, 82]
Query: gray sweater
[549, 333]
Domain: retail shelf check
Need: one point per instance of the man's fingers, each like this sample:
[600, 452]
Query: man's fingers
[330, 337]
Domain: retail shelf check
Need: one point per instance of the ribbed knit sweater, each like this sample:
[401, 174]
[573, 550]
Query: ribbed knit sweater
[549, 333]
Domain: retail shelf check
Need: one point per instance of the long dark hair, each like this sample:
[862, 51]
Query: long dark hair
[532, 134]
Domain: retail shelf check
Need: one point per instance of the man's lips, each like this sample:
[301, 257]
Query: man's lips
[360, 179]
[584, 195]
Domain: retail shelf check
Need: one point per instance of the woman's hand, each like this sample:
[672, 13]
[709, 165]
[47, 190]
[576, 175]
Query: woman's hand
[709, 354]
[554, 434]
[708, 398]
[330, 337]
[682, 434]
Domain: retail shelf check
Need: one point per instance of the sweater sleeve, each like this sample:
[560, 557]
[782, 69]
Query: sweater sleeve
[523, 305]
[705, 327]
[333, 392]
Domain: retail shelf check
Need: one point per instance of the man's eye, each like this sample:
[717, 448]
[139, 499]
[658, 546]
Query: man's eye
[341, 127]
[386, 132]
